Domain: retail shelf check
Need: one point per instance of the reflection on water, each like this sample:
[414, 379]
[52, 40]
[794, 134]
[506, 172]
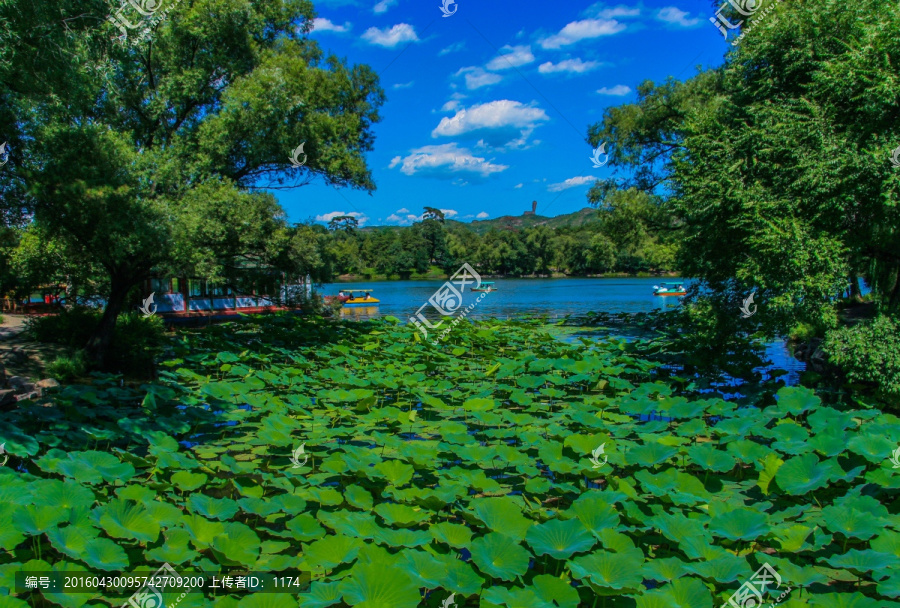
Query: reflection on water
[359, 313]
[555, 298]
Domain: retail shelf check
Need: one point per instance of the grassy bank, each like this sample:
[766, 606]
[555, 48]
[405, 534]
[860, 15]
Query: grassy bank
[505, 467]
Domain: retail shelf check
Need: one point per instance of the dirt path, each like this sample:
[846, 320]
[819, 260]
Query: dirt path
[19, 355]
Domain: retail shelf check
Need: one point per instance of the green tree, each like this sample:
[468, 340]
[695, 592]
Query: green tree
[777, 163]
[211, 105]
[433, 231]
[345, 223]
[537, 242]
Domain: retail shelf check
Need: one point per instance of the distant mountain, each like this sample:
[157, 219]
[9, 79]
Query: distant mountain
[587, 215]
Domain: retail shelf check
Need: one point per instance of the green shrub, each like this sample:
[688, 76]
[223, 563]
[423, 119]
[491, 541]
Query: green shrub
[868, 352]
[72, 327]
[68, 368]
[802, 332]
[137, 342]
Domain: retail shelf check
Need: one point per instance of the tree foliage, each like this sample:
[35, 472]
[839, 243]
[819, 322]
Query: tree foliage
[776, 165]
[151, 155]
[624, 237]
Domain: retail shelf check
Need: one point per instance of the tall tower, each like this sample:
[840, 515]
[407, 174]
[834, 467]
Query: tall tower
[533, 206]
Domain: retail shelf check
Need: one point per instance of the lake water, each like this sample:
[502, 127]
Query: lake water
[555, 298]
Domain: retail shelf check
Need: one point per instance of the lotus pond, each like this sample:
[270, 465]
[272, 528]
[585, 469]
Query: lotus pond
[469, 469]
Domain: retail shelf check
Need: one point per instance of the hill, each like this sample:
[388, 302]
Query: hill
[519, 222]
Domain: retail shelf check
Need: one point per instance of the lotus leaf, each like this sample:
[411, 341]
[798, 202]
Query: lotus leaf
[852, 523]
[503, 515]
[740, 524]
[378, 586]
[684, 593]
[104, 554]
[94, 467]
[126, 519]
[238, 543]
[401, 515]
[559, 538]
[454, 535]
[650, 454]
[499, 556]
[609, 570]
[187, 481]
[803, 474]
[332, 551]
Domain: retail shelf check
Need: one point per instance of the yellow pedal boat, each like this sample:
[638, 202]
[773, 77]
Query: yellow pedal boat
[357, 296]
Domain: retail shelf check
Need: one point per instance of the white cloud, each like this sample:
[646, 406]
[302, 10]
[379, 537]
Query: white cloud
[449, 212]
[391, 37]
[582, 30]
[396, 218]
[383, 6]
[404, 210]
[516, 187]
[453, 48]
[512, 58]
[320, 24]
[621, 10]
[572, 182]
[477, 77]
[498, 123]
[618, 90]
[450, 106]
[444, 161]
[404, 85]
[576, 66]
[361, 218]
[482, 215]
[676, 16]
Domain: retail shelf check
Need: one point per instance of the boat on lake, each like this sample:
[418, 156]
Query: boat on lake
[348, 297]
[485, 286]
[665, 289]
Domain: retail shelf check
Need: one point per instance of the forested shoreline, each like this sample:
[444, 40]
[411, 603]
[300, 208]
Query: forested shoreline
[628, 236]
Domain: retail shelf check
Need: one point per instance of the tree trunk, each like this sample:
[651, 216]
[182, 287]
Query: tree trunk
[893, 302]
[854, 285]
[99, 344]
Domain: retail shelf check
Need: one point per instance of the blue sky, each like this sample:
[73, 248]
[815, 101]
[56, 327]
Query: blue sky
[488, 109]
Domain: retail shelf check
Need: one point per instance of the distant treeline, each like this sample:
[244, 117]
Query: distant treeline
[631, 235]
